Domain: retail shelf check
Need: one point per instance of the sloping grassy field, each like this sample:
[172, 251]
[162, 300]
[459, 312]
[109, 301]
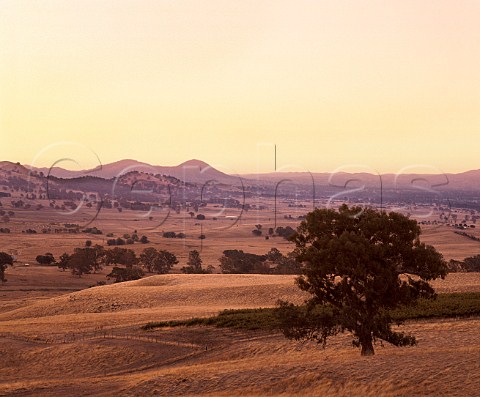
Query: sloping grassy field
[90, 343]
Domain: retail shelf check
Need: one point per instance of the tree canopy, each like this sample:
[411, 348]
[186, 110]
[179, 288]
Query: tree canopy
[63, 261]
[120, 256]
[80, 262]
[283, 264]
[164, 262]
[357, 264]
[83, 260]
[237, 262]
[5, 259]
[157, 261]
[147, 258]
[194, 264]
[273, 262]
[120, 274]
[46, 259]
[470, 264]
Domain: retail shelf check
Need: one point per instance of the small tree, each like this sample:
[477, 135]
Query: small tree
[274, 255]
[121, 274]
[238, 262]
[164, 262]
[81, 262]
[5, 260]
[97, 256]
[120, 256]
[287, 264]
[472, 264]
[286, 232]
[194, 260]
[169, 234]
[195, 264]
[283, 264]
[63, 261]
[147, 258]
[353, 260]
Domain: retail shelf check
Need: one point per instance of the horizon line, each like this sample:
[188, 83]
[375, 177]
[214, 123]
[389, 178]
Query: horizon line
[278, 171]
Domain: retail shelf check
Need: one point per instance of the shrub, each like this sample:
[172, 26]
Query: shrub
[46, 259]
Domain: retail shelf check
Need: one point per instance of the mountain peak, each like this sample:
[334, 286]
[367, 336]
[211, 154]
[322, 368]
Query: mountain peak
[15, 167]
[127, 162]
[119, 163]
[194, 163]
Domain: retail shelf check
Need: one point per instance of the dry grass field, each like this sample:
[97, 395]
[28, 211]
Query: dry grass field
[89, 343]
[60, 338]
[222, 233]
[445, 363]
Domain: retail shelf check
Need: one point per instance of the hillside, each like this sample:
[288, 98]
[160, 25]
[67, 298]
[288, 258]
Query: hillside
[174, 296]
[193, 171]
[468, 181]
[166, 294]
[197, 171]
[89, 343]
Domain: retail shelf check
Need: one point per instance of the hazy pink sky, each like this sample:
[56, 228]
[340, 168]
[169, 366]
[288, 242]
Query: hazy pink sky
[385, 84]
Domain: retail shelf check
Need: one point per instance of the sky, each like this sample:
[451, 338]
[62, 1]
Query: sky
[370, 84]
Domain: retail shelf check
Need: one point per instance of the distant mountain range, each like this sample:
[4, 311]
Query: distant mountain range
[197, 171]
[467, 181]
[194, 171]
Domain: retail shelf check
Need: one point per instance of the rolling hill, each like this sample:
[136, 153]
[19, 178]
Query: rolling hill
[197, 171]
[193, 171]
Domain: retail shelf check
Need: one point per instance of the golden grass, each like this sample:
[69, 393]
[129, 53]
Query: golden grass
[164, 297]
[42, 302]
[444, 363]
[168, 297]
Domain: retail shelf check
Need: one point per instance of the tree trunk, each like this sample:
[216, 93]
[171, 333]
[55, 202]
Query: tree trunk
[367, 347]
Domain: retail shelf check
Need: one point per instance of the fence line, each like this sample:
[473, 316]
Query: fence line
[103, 334]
